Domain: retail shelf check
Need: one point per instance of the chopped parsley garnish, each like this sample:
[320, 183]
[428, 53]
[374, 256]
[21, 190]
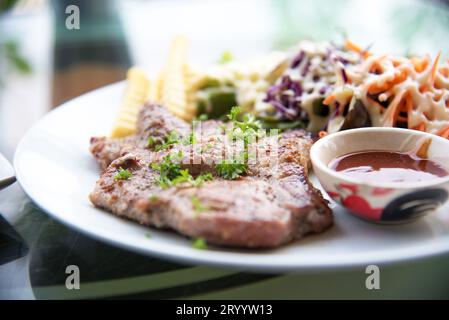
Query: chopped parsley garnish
[151, 141]
[248, 122]
[184, 176]
[202, 117]
[246, 130]
[168, 169]
[148, 235]
[123, 174]
[198, 182]
[206, 147]
[226, 57]
[170, 140]
[153, 198]
[171, 173]
[231, 169]
[189, 140]
[199, 243]
[198, 206]
[233, 115]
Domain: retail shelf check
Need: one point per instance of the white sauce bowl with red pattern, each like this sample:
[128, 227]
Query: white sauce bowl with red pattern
[381, 202]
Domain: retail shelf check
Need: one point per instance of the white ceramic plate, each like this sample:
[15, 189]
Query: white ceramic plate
[55, 169]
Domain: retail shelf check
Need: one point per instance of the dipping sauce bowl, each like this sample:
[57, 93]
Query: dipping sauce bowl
[380, 201]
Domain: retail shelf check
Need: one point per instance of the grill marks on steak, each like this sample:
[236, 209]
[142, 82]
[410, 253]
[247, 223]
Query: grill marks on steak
[269, 207]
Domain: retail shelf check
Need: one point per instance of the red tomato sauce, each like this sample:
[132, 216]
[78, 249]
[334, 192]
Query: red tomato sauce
[388, 166]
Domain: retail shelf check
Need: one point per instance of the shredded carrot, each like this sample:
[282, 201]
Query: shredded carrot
[376, 68]
[444, 132]
[399, 77]
[435, 67]
[420, 127]
[375, 88]
[438, 95]
[419, 64]
[393, 110]
[353, 47]
[329, 99]
[433, 73]
[408, 106]
[322, 134]
[396, 63]
[423, 149]
[444, 71]
[377, 104]
[423, 88]
[341, 108]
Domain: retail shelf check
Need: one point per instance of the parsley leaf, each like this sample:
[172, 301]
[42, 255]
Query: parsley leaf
[197, 205]
[171, 173]
[231, 169]
[199, 243]
[122, 174]
[249, 121]
[226, 57]
[198, 182]
[235, 111]
[12, 53]
[151, 141]
[189, 140]
[202, 117]
[170, 140]
[246, 130]
[169, 169]
[153, 198]
[184, 176]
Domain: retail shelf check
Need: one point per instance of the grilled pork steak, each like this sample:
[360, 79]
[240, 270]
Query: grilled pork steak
[270, 206]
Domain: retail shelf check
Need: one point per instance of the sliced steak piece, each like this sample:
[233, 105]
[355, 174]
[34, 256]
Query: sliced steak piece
[271, 206]
[154, 120]
[105, 150]
[123, 197]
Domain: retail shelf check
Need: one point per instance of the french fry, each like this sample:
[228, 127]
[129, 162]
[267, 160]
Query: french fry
[192, 76]
[174, 89]
[155, 88]
[136, 95]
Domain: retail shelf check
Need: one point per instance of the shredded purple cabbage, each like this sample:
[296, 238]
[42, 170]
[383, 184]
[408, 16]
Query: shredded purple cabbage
[306, 69]
[333, 115]
[297, 60]
[286, 98]
[344, 75]
[287, 94]
[324, 89]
